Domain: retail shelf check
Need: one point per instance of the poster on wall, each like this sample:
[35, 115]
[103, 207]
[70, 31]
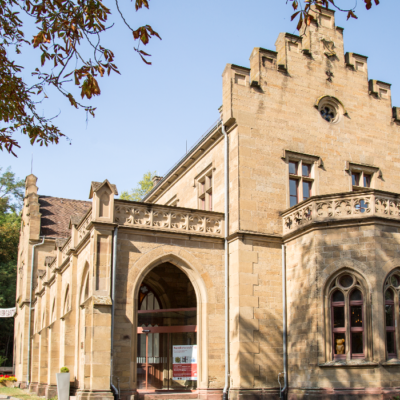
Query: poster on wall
[184, 362]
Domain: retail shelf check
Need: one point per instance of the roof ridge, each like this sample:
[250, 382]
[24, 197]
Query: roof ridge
[41, 196]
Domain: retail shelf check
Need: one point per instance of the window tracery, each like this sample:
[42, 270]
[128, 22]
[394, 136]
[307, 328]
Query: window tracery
[330, 108]
[148, 300]
[327, 113]
[392, 309]
[347, 309]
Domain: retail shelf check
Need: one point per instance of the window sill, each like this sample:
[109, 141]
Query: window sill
[349, 364]
[391, 363]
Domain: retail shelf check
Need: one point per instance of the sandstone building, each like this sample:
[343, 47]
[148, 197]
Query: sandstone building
[119, 287]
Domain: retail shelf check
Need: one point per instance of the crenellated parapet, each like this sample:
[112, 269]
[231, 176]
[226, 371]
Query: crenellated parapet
[315, 57]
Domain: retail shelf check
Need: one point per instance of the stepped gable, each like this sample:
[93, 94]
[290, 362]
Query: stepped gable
[56, 214]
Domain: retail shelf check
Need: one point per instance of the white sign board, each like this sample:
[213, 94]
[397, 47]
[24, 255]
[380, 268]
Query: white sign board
[7, 312]
[184, 362]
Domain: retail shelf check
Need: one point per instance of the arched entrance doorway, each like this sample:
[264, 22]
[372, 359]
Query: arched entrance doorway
[167, 331]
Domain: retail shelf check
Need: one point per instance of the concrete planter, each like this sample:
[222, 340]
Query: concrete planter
[7, 384]
[63, 386]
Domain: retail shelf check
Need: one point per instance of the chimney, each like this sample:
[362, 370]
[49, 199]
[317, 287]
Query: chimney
[156, 179]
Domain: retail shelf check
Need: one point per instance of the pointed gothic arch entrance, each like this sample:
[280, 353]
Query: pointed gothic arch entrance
[167, 331]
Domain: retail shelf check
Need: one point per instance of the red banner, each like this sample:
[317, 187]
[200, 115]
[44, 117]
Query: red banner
[184, 371]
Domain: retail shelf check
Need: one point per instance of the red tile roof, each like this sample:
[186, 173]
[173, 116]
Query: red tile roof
[56, 214]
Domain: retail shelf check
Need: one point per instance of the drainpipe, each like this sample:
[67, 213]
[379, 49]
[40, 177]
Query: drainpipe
[285, 380]
[30, 313]
[113, 279]
[226, 166]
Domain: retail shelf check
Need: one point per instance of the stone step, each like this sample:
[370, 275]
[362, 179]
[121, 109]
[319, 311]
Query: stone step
[167, 396]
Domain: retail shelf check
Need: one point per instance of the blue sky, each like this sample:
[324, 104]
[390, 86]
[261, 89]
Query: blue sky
[145, 116]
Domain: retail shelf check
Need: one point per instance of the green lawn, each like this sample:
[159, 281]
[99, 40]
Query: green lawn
[19, 393]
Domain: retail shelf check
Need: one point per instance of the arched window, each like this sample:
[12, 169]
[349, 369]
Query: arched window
[391, 293]
[347, 318]
[66, 301]
[147, 299]
[53, 311]
[86, 294]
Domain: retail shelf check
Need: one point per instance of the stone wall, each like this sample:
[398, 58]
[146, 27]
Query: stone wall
[201, 259]
[273, 105]
[371, 252]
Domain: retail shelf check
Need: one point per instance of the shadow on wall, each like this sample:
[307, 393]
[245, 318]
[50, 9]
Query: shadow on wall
[360, 249]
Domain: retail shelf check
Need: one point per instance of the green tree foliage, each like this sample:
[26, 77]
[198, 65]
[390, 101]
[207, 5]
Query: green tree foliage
[144, 186]
[64, 31]
[11, 197]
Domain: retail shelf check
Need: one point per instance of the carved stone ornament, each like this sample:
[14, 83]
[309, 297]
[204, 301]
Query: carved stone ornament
[166, 219]
[83, 228]
[329, 48]
[342, 206]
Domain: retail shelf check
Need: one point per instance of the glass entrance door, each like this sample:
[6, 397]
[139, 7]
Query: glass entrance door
[166, 331]
[152, 360]
[166, 360]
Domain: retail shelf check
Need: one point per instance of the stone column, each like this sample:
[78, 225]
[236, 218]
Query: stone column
[35, 363]
[53, 358]
[243, 301]
[43, 362]
[97, 322]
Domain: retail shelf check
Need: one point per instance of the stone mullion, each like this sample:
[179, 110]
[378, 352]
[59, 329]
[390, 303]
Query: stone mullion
[396, 324]
[347, 324]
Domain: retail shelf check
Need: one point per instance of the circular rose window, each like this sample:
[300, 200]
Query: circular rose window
[330, 109]
[328, 113]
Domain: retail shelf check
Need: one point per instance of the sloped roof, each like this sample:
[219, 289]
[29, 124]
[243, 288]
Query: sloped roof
[56, 214]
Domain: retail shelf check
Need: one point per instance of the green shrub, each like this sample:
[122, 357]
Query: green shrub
[64, 369]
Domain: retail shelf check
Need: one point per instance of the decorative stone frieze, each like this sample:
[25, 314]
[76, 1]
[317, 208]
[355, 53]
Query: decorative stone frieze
[169, 219]
[342, 206]
[65, 250]
[83, 228]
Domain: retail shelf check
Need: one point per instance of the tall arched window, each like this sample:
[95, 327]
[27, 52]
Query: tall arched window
[86, 294]
[392, 296]
[347, 318]
[66, 301]
[53, 311]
